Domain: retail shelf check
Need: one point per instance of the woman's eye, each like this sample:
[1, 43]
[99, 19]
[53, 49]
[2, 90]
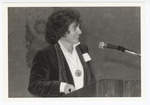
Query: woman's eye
[74, 28]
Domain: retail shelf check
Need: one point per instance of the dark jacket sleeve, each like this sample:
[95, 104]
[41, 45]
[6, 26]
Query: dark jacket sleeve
[39, 83]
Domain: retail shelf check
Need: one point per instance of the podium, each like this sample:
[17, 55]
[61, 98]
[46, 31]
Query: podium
[109, 88]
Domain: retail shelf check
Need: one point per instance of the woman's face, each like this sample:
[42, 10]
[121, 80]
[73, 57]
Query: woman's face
[73, 34]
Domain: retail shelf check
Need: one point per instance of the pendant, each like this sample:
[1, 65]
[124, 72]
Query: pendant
[78, 73]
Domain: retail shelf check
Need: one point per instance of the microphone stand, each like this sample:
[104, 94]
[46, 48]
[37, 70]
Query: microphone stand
[133, 53]
[120, 48]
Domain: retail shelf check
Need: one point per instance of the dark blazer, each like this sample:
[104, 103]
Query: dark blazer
[45, 76]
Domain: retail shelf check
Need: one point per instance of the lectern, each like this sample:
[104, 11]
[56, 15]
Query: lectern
[109, 88]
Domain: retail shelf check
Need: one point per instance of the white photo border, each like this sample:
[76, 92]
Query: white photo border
[105, 100]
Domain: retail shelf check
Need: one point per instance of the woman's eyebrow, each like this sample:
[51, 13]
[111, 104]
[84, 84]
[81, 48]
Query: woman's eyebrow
[76, 25]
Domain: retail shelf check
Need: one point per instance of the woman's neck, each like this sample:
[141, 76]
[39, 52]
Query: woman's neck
[67, 45]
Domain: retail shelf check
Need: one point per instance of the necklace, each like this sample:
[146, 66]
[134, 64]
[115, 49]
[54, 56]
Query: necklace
[78, 72]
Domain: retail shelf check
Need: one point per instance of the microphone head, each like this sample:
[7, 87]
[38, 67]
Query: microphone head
[101, 45]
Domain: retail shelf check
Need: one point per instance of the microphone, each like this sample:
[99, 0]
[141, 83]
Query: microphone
[103, 45]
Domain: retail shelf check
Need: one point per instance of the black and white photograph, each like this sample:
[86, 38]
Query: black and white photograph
[74, 51]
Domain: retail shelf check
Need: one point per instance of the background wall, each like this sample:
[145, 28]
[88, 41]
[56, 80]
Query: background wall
[114, 25]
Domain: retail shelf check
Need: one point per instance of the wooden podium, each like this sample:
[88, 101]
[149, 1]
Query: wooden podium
[109, 88]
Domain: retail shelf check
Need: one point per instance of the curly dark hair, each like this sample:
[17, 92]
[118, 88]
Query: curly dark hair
[58, 24]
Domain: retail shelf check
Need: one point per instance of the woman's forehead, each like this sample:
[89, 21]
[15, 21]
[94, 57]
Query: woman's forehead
[74, 24]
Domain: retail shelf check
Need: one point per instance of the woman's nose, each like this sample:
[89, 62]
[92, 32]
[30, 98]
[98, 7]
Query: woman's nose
[79, 30]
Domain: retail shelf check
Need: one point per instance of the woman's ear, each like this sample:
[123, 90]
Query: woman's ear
[67, 33]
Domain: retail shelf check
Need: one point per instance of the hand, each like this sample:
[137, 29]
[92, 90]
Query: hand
[69, 88]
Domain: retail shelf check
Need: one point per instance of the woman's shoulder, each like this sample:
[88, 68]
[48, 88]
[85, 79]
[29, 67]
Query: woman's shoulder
[83, 48]
[47, 50]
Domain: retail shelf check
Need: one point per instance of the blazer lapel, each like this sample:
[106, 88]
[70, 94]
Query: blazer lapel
[85, 66]
[64, 71]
